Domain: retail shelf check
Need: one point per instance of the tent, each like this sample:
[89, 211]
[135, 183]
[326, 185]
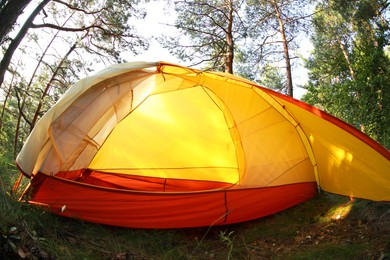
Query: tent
[157, 145]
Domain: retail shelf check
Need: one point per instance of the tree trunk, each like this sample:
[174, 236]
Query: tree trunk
[346, 56]
[3, 108]
[229, 40]
[289, 84]
[8, 93]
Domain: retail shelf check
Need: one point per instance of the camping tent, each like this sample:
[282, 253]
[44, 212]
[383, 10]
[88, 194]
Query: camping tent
[157, 145]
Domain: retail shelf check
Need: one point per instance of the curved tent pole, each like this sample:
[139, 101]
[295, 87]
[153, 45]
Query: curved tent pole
[286, 114]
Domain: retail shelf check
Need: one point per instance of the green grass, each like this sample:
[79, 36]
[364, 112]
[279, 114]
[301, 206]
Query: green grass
[326, 227]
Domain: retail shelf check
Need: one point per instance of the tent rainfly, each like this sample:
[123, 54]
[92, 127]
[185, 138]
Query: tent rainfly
[157, 145]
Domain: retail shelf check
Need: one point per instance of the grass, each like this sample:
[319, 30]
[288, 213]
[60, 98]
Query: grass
[326, 227]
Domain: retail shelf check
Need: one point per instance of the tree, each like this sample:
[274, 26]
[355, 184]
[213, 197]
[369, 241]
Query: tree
[271, 77]
[274, 28]
[349, 70]
[246, 34]
[208, 32]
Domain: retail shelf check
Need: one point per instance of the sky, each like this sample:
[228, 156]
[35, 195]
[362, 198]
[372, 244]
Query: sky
[158, 15]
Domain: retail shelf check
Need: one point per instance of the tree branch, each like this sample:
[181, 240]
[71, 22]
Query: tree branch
[78, 9]
[19, 106]
[61, 28]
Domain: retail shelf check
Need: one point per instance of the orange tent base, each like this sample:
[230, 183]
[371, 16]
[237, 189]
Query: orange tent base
[140, 209]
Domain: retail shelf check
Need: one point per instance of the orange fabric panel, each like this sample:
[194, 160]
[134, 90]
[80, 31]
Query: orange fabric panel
[164, 210]
[142, 183]
[71, 175]
[249, 204]
[129, 209]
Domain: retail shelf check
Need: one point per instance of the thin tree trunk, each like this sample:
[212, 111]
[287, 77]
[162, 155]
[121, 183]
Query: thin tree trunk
[289, 84]
[3, 108]
[229, 40]
[346, 56]
[8, 93]
[17, 128]
[6, 99]
[18, 98]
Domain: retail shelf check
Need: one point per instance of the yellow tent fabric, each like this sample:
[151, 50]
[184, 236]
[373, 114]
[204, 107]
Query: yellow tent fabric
[169, 131]
[168, 121]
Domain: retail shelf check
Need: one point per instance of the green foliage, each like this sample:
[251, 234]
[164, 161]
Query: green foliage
[6, 137]
[227, 238]
[349, 69]
[272, 77]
